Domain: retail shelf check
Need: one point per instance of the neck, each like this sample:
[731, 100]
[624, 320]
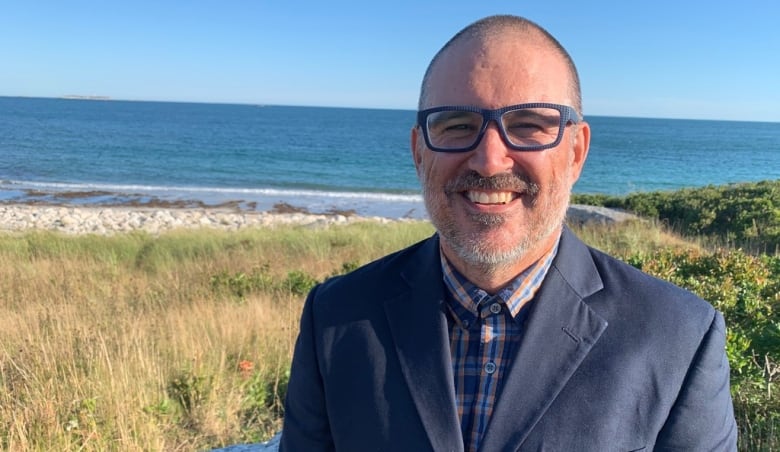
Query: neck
[492, 277]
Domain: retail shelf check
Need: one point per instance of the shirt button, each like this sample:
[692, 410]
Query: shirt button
[466, 324]
[490, 367]
[495, 308]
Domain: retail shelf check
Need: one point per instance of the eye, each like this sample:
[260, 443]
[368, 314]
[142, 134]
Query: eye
[527, 122]
[454, 123]
[524, 128]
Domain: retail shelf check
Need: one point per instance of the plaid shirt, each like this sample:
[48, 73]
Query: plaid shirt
[484, 333]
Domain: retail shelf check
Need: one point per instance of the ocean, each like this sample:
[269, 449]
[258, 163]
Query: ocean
[105, 152]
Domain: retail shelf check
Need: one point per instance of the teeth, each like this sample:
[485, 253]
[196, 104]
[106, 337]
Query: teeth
[490, 198]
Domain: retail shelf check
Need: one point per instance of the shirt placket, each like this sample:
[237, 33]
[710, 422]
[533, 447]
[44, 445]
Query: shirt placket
[493, 326]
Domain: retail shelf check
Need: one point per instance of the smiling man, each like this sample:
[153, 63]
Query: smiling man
[503, 331]
[496, 182]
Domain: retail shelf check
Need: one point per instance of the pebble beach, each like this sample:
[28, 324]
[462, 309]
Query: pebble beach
[103, 220]
[111, 220]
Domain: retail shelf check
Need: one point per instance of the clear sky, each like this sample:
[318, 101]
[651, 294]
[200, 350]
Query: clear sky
[671, 59]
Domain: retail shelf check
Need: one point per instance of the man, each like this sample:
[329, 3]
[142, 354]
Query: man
[503, 331]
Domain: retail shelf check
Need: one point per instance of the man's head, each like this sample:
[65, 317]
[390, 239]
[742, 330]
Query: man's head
[498, 209]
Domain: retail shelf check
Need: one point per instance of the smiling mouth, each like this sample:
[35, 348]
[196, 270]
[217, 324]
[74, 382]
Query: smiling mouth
[497, 190]
[493, 197]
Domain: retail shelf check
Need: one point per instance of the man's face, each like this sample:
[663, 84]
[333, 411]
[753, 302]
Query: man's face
[495, 207]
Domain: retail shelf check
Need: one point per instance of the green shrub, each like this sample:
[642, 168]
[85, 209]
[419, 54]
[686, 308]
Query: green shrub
[299, 282]
[240, 284]
[263, 403]
[741, 215]
[296, 282]
[346, 267]
[746, 289]
[190, 390]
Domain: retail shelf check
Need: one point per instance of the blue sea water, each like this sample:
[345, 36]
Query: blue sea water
[320, 159]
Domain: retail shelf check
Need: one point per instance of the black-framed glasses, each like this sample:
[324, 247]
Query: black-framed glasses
[524, 127]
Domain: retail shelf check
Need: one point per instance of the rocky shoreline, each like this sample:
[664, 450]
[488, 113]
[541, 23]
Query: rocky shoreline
[154, 220]
[110, 220]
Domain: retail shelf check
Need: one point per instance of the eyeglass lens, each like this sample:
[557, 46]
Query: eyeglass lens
[451, 129]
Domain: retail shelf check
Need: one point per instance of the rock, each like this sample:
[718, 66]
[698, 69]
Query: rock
[81, 220]
[109, 220]
[579, 214]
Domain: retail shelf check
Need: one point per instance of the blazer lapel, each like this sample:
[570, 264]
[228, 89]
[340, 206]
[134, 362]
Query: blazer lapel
[560, 331]
[419, 327]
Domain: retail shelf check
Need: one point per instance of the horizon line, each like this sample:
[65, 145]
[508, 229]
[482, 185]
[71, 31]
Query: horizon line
[105, 98]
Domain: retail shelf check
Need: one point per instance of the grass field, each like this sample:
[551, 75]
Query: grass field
[183, 341]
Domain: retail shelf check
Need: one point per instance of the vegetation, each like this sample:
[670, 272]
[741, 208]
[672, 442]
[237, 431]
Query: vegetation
[184, 340]
[743, 215]
[736, 266]
[176, 342]
[746, 289]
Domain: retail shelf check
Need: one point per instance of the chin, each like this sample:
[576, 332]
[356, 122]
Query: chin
[491, 241]
[496, 241]
[487, 257]
[489, 245]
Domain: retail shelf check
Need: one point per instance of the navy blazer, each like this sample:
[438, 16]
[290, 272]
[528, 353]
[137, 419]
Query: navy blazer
[611, 359]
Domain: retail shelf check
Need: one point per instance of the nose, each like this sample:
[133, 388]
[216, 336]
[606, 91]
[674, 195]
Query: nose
[491, 156]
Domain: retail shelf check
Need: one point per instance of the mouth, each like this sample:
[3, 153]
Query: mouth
[491, 198]
[495, 194]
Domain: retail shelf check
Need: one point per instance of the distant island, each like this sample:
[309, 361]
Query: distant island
[76, 96]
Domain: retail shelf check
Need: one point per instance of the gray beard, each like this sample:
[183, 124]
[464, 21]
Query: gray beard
[478, 253]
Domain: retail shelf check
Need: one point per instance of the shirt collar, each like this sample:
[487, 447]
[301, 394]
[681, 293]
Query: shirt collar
[467, 299]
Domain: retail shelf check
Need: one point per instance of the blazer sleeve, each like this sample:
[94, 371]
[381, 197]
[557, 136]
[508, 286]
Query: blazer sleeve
[702, 417]
[306, 426]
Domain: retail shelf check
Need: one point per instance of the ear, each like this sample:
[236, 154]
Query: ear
[580, 150]
[417, 148]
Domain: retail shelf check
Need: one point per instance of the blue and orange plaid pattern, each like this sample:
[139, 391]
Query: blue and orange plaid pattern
[484, 332]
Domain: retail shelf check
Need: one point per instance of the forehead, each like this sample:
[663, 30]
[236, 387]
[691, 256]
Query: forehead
[497, 70]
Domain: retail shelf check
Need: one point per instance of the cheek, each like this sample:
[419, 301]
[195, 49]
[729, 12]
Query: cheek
[423, 170]
[538, 166]
[437, 167]
[560, 168]
[571, 173]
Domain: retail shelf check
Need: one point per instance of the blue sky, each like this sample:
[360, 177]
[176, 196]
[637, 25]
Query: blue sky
[671, 59]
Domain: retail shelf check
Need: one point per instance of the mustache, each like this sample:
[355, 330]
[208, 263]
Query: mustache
[500, 182]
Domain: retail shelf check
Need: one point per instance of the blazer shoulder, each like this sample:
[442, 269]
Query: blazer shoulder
[383, 277]
[606, 282]
[648, 297]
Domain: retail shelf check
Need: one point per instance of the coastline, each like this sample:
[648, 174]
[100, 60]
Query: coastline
[107, 220]
[158, 218]
[364, 204]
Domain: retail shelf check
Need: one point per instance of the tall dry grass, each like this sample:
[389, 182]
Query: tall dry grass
[124, 343]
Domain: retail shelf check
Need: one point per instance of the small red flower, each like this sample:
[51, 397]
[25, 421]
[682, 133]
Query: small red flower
[245, 367]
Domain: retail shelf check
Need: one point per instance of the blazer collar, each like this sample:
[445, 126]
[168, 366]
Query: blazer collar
[418, 324]
[560, 331]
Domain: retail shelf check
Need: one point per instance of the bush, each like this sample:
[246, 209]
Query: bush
[190, 390]
[241, 284]
[296, 282]
[746, 289]
[743, 215]
[263, 403]
[299, 282]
